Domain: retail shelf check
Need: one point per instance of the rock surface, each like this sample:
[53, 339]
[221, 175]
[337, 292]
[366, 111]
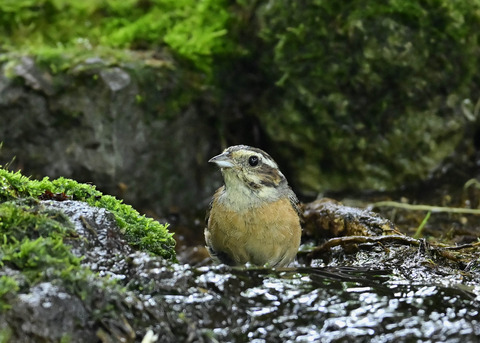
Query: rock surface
[132, 131]
[101, 244]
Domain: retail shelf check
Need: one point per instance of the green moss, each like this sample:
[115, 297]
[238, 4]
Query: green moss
[33, 242]
[192, 29]
[8, 286]
[141, 232]
[5, 335]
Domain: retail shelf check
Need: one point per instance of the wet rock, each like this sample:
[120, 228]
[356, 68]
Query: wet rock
[48, 313]
[331, 304]
[99, 240]
[50, 305]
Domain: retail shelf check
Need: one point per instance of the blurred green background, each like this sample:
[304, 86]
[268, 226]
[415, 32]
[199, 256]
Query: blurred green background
[353, 95]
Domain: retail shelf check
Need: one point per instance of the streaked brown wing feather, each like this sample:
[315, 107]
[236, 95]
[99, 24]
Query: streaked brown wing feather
[295, 204]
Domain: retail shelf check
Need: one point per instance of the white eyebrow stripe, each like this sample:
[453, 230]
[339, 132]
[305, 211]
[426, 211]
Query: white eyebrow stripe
[269, 162]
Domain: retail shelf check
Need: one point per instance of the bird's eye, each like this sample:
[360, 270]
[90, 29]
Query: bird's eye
[253, 160]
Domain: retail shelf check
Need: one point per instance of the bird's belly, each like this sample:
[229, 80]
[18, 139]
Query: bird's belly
[265, 234]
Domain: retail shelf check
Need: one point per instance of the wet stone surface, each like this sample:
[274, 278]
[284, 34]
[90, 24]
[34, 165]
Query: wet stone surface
[373, 294]
[99, 239]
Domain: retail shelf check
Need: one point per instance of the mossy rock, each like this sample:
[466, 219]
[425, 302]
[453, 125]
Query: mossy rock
[140, 232]
[61, 240]
[367, 95]
[46, 293]
[121, 126]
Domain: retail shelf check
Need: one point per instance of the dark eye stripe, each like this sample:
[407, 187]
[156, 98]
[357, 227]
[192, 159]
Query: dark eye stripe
[270, 177]
[268, 183]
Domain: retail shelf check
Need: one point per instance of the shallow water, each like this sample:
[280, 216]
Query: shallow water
[327, 305]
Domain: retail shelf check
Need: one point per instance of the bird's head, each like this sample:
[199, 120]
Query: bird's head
[245, 168]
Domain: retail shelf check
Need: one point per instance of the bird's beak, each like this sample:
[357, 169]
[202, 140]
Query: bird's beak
[222, 160]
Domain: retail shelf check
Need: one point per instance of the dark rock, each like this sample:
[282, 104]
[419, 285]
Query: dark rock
[48, 313]
[131, 130]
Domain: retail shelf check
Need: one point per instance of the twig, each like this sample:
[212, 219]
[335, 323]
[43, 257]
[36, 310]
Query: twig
[433, 209]
[463, 246]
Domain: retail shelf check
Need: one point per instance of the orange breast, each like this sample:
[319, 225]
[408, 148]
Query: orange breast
[266, 234]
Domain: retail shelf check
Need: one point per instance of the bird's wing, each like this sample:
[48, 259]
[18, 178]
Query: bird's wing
[297, 206]
[215, 196]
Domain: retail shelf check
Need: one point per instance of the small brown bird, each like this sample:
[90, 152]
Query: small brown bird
[255, 216]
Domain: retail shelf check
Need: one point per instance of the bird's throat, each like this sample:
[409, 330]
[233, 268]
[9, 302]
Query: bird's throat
[238, 195]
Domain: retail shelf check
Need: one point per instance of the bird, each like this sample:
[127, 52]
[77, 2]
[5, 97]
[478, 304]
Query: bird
[255, 216]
